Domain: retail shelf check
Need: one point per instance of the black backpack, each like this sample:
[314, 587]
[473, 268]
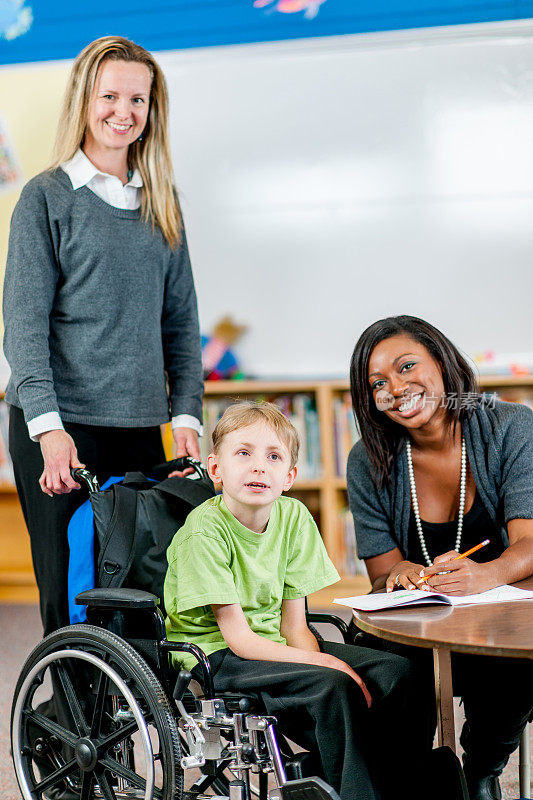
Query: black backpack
[135, 521]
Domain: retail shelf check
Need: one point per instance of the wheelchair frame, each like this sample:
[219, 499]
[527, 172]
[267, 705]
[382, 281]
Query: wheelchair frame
[127, 707]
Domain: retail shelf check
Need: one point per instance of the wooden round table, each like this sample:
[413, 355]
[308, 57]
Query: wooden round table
[496, 629]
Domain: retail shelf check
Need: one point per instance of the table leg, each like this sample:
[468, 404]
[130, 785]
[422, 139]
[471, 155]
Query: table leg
[442, 665]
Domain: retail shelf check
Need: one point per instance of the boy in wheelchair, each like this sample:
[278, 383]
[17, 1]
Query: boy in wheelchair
[239, 571]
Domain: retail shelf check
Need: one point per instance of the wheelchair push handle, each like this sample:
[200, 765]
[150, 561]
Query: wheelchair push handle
[181, 463]
[161, 471]
[87, 478]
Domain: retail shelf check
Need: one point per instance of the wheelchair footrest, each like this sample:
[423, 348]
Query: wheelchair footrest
[304, 789]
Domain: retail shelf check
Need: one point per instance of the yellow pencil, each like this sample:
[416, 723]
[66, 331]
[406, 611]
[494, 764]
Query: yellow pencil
[463, 555]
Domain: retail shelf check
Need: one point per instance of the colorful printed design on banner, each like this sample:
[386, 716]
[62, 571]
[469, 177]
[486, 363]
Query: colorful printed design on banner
[15, 18]
[309, 7]
[10, 173]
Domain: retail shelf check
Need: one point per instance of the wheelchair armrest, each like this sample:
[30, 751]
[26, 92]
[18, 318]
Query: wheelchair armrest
[200, 656]
[117, 598]
[330, 619]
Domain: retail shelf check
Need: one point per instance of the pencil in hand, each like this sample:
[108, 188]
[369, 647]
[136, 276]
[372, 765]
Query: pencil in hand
[463, 555]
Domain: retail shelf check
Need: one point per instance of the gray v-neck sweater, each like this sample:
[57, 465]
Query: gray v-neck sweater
[99, 311]
[499, 446]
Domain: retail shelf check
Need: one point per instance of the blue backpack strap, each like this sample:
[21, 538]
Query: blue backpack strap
[81, 567]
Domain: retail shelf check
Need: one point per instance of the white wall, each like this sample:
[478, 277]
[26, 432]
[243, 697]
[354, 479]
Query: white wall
[328, 183]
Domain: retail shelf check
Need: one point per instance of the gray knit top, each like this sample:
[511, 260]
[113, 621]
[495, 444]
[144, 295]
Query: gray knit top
[499, 446]
[99, 312]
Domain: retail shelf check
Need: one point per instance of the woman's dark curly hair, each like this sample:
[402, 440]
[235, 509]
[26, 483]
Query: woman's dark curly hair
[383, 438]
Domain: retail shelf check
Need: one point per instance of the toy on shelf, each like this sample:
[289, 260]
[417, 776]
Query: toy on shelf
[491, 363]
[219, 361]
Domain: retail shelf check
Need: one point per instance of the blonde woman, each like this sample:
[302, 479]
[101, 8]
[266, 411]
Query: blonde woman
[101, 323]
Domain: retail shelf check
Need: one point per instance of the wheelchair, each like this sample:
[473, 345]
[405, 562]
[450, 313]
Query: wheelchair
[132, 728]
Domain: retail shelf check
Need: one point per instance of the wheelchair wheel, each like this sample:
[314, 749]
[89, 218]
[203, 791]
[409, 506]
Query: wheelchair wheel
[114, 734]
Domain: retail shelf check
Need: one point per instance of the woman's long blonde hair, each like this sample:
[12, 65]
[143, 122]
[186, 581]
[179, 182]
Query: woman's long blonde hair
[151, 156]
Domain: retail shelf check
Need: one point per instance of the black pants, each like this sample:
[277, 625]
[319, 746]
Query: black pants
[497, 695]
[105, 452]
[324, 710]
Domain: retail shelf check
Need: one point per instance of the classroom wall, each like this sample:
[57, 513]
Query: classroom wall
[30, 98]
[38, 30]
[328, 182]
[29, 108]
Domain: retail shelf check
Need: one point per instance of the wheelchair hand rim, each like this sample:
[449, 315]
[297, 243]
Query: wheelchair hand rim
[117, 680]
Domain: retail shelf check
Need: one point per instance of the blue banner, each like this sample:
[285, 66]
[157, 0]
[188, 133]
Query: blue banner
[41, 30]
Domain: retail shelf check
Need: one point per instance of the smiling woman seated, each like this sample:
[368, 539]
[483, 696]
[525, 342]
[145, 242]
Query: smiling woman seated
[438, 469]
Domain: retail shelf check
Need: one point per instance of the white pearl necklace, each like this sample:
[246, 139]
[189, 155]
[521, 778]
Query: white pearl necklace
[462, 494]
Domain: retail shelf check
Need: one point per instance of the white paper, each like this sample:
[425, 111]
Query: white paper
[382, 601]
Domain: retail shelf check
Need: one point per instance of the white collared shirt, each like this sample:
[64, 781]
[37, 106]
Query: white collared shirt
[82, 172]
[109, 188]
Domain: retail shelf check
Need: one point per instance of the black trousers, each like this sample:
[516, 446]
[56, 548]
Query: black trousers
[105, 452]
[324, 710]
[497, 696]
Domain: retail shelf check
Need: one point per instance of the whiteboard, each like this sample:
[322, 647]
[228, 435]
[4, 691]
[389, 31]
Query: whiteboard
[328, 183]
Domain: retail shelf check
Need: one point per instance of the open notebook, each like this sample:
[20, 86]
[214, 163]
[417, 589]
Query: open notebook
[416, 597]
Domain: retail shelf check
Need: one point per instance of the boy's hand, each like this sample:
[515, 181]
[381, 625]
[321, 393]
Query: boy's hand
[245, 643]
[298, 636]
[335, 663]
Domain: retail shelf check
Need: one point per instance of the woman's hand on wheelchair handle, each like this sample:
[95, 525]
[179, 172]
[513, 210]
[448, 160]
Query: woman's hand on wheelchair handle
[187, 444]
[59, 456]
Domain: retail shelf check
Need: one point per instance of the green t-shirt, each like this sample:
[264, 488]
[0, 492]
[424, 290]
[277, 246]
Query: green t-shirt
[215, 559]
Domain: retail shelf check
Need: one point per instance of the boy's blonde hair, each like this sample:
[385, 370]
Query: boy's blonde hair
[151, 155]
[241, 415]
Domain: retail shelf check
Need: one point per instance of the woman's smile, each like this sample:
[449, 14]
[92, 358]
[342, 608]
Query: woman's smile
[411, 405]
[118, 127]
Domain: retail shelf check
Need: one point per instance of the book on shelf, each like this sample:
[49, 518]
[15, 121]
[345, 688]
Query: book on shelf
[301, 411]
[350, 564]
[304, 417]
[516, 364]
[344, 430]
[6, 465]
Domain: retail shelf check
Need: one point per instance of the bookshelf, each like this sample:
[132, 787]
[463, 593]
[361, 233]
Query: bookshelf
[321, 486]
